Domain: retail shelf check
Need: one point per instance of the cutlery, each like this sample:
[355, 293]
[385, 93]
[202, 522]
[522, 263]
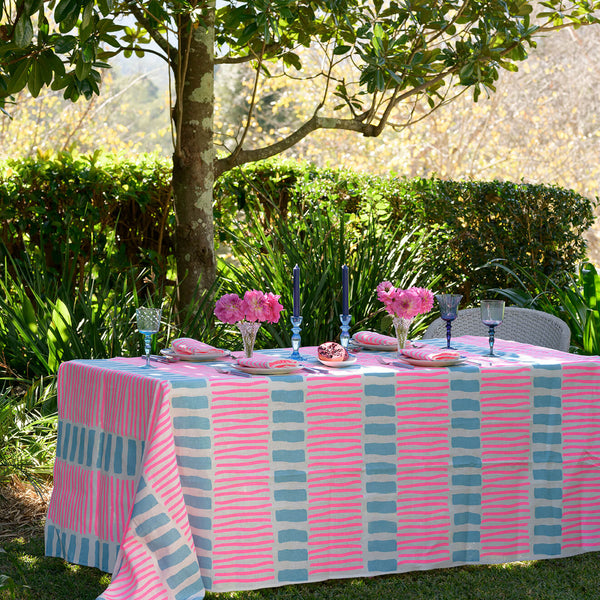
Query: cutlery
[226, 371]
[164, 359]
[393, 363]
[315, 370]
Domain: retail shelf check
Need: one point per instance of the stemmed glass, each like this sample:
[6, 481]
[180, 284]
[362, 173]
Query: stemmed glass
[148, 323]
[448, 312]
[492, 314]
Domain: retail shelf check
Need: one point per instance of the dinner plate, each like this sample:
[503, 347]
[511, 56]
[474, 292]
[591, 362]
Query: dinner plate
[196, 357]
[376, 348]
[274, 371]
[339, 364]
[432, 363]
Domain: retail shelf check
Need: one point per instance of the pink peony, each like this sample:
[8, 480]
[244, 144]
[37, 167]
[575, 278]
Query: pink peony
[275, 307]
[404, 303]
[426, 298]
[256, 306]
[384, 291]
[229, 308]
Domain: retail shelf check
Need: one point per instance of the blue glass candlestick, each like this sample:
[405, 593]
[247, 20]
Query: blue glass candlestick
[296, 322]
[345, 335]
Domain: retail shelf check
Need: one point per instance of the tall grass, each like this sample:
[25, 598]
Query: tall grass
[320, 243]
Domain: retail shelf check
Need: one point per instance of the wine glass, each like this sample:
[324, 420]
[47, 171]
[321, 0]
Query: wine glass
[492, 314]
[148, 323]
[448, 312]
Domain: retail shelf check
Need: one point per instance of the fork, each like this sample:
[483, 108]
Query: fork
[226, 371]
[393, 363]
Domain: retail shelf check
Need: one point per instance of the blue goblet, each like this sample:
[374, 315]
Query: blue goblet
[448, 312]
[492, 314]
[148, 323]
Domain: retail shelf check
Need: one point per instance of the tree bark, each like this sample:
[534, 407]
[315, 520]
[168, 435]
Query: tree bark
[193, 160]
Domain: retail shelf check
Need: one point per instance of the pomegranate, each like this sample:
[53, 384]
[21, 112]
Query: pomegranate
[332, 351]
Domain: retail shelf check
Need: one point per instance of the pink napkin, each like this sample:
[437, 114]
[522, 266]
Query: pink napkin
[190, 346]
[267, 362]
[372, 338]
[430, 353]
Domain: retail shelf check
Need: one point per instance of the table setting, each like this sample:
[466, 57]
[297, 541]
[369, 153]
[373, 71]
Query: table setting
[209, 469]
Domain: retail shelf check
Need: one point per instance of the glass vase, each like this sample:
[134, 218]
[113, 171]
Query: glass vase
[248, 331]
[401, 325]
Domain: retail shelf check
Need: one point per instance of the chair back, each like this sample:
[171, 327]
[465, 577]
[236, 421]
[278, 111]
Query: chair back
[520, 325]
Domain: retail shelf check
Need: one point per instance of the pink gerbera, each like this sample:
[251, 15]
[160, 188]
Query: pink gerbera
[228, 308]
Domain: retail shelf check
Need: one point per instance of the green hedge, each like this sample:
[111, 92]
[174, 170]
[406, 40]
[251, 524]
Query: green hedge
[72, 208]
[537, 226]
[121, 211]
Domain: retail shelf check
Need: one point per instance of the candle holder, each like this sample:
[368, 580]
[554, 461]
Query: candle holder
[345, 335]
[296, 322]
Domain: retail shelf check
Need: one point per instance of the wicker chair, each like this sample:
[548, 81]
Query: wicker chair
[519, 325]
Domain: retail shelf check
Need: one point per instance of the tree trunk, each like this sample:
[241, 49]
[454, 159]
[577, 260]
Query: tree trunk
[193, 161]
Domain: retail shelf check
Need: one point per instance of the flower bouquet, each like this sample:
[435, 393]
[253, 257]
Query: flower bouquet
[248, 313]
[404, 306]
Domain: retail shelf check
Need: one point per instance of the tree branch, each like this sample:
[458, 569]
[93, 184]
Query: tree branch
[140, 15]
[315, 122]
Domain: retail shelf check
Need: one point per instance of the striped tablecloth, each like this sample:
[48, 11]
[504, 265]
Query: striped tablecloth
[178, 479]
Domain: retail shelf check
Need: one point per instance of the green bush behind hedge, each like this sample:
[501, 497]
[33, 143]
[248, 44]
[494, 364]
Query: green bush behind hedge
[120, 211]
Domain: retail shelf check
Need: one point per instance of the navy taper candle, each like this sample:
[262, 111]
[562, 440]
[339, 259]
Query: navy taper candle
[296, 291]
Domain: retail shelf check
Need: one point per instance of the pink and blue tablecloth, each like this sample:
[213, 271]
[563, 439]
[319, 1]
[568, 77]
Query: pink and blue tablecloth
[179, 479]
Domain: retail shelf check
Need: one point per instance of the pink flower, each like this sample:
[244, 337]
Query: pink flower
[404, 303]
[426, 298]
[275, 307]
[255, 306]
[384, 290]
[229, 308]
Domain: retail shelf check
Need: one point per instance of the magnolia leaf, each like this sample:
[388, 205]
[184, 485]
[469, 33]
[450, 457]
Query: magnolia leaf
[23, 31]
[65, 10]
[35, 80]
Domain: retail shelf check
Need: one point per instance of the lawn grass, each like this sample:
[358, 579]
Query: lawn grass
[37, 577]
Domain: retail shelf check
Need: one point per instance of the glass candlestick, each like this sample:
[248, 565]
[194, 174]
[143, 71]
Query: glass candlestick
[296, 322]
[345, 335]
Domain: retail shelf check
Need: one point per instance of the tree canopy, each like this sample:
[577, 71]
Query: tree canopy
[377, 62]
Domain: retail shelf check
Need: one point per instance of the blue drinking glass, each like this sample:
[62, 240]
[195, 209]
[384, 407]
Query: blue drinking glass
[448, 312]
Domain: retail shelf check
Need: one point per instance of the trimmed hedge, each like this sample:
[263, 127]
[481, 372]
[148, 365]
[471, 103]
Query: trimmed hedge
[536, 226]
[73, 208]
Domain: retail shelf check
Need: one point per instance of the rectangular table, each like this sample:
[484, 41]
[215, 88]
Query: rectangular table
[178, 479]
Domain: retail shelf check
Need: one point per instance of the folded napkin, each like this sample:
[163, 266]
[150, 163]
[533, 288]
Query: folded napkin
[267, 362]
[372, 338]
[190, 346]
[430, 353]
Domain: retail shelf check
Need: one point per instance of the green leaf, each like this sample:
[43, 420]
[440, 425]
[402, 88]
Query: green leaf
[106, 6]
[23, 31]
[291, 58]
[342, 49]
[18, 79]
[82, 69]
[36, 79]
[65, 44]
[66, 9]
